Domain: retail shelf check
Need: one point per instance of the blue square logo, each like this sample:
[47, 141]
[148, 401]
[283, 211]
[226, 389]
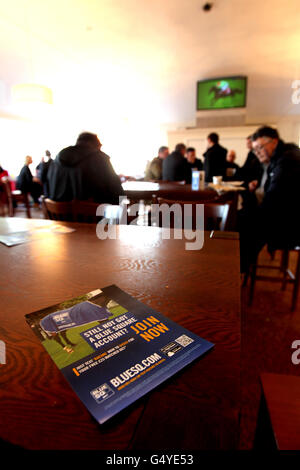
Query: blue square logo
[101, 393]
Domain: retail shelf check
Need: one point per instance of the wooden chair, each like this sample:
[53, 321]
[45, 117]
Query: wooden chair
[6, 203]
[80, 211]
[216, 216]
[19, 196]
[13, 197]
[287, 276]
[53, 210]
[85, 211]
[278, 421]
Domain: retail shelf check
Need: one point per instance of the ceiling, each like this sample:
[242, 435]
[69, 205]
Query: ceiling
[127, 59]
[154, 51]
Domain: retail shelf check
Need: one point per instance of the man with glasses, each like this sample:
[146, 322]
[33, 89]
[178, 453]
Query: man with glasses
[275, 221]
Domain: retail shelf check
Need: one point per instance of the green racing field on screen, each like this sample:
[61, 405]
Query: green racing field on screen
[82, 349]
[208, 99]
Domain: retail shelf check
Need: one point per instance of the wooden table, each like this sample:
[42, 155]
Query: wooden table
[137, 190]
[279, 415]
[196, 409]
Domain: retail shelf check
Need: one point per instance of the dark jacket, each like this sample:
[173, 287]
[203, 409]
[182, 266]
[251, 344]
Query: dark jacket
[175, 167]
[232, 167]
[215, 162]
[251, 170]
[154, 170]
[42, 170]
[82, 173]
[198, 165]
[24, 180]
[279, 210]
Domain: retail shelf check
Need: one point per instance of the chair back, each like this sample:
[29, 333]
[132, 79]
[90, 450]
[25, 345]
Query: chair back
[6, 198]
[216, 215]
[12, 197]
[85, 211]
[81, 211]
[54, 210]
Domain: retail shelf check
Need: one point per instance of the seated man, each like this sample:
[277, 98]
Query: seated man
[275, 221]
[154, 169]
[251, 170]
[175, 167]
[28, 183]
[193, 162]
[232, 169]
[83, 172]
[214, 158]
[42, 170]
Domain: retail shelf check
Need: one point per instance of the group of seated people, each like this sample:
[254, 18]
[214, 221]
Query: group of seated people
[176, 166]
[81, 172]
[218, 161]
[270, 175]
[26, 182]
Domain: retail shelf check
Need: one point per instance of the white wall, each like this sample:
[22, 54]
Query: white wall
[232, 138]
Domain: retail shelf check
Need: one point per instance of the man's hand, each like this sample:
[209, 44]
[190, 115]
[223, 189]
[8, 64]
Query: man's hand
[253, 185]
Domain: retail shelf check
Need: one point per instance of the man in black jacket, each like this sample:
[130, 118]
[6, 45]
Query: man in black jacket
[84, 172]
[214, 158]
[42, 171]
[28, 183]
[275, 222]
[175, 167]
[193, 162]
[251, 170]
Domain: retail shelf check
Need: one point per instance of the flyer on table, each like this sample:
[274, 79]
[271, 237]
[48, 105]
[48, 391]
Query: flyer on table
[112, 348]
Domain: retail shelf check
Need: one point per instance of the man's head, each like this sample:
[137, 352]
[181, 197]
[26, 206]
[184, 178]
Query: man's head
[231, 156]
[265, 141]
[87, 139]
[47, 153]
[212, 139]
[163, 152]
[28, 160]
[181, 148]
[191, 154]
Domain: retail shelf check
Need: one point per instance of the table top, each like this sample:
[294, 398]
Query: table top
[172, 189]
[196, 409]
[282, 395]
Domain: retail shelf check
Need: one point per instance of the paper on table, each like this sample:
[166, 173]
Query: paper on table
[17, 238]
[233, 183]
[225, 187]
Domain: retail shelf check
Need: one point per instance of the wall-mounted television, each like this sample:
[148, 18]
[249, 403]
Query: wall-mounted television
[221, 93]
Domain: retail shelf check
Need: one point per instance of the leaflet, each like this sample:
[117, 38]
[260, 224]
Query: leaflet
[113, 349]
[18, 238]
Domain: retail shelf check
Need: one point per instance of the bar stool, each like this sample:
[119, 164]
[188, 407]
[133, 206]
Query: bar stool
[287, 275]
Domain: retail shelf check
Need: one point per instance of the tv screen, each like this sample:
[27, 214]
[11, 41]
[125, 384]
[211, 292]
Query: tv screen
[221, 93]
